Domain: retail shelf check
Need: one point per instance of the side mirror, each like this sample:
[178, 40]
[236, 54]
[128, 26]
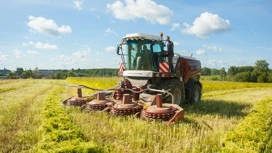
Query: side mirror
[118, 49]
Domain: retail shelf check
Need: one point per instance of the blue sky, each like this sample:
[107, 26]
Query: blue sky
[66, 34]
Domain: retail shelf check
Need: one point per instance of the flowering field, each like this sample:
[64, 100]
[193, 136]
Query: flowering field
[232, 117]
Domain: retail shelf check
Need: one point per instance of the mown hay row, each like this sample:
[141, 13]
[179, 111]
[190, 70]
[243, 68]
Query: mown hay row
[59, 133]
[254, 133]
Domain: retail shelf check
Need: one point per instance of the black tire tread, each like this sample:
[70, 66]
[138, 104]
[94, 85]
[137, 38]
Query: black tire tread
[172, 84]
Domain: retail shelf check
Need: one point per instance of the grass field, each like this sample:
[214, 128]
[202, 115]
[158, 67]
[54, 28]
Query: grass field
[232, 117]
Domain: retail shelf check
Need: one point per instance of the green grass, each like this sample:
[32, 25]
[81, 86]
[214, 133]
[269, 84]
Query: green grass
[8, 85]
[209, 86]
[254, 133]
[33, 119]
[58, 132]
[202, 130]
[95, 82]
[19, 116]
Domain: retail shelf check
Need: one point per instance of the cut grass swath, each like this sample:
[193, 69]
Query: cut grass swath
[254, 133]
[59, 133]
[19, 116]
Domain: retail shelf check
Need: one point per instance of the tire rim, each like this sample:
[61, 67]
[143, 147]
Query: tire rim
[177, 96]
[196, 96]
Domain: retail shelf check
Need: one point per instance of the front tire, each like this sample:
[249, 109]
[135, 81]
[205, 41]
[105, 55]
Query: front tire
[196, 94]
[175, 87]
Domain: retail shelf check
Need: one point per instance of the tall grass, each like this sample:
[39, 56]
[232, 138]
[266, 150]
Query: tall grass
[225, 85]
[32, 119]
[118, 134]
[7, 85]
[95, 82]
[19, 115]
[202, 130]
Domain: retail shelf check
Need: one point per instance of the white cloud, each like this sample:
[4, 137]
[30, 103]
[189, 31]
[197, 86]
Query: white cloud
[213, 48]
[82, 54]
[200, 52]
[110, 49]
[3, 57]
[65, 58]
[17, 53]
[206, 24]
[145, 9]
[184, 51]
[47, 26]
[175, 26]
[40, 45]
[32, 52]
[77, 4]
[108, 30]
[176, 43]
[212, 62]
[218, 63]
[27, 44]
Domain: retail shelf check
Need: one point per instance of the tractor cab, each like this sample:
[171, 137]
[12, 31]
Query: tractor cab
[141, 52]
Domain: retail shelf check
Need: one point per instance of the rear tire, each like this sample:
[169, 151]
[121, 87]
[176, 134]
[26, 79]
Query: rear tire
[175, 87]
[196, 94]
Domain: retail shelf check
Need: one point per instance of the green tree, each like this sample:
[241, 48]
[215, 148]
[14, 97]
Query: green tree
[19, 71]
[232, 71]
[60, 75]
[27, 74]
[245, 69]
[261, 70]
[206, 71]
[12, 75]
[242, 77]
[71, 73]
[270, 77]
[36, 73]
[222, 73]
[261, 66]
[263, 77]
[214, 72]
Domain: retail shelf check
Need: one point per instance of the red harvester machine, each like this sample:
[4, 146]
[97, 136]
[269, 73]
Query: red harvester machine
[148, 88]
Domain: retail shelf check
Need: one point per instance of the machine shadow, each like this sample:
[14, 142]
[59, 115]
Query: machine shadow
[221, 108]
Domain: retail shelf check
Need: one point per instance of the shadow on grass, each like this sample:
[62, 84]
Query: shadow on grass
[221, 108]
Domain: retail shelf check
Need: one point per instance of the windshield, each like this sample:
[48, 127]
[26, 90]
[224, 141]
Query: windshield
[142, 55]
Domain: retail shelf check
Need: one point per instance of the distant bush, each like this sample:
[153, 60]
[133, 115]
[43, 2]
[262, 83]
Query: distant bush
[214, 78]
[270, 77]
[263, 77]
[242, 77]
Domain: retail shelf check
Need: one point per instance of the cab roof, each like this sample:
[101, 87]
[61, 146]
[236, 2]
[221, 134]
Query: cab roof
[141, 36]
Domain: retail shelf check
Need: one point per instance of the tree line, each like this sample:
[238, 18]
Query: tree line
[61, 74]
[260, 72]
